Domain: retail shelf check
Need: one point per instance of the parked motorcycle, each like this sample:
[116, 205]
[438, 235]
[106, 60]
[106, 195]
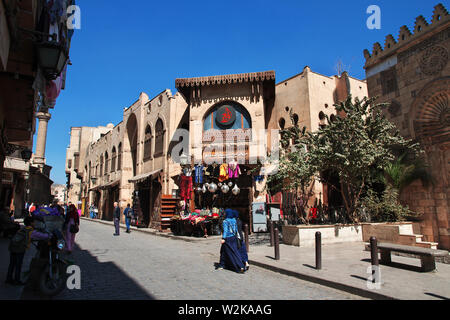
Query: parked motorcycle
[48, 269]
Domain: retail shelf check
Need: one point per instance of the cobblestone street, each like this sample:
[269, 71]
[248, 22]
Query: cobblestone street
[140, 266]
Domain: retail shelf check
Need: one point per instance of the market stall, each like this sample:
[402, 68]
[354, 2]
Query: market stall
[206, 191]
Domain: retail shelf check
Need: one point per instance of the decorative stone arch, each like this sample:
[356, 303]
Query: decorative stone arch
[242, 110]
[431, 113]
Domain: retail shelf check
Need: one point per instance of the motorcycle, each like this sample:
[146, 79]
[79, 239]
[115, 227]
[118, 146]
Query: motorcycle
[48, 269]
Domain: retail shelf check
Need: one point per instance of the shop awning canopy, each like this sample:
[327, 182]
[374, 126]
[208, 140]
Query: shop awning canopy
[144, 176]
[111, 184]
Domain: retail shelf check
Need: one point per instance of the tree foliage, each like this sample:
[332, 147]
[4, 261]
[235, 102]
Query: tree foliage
[353, 145]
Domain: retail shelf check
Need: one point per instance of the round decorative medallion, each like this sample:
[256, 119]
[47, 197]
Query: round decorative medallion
[435, 115]
[226, 116]
[434, 60]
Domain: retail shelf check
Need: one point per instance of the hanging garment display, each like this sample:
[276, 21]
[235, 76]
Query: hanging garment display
[259, 183]
[198, 174]
[186, 187]
[223, 176]
[233, 170]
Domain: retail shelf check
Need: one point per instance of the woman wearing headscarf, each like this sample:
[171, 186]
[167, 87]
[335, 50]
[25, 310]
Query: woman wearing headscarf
[230, 258]
[72, 219]
[242, 248]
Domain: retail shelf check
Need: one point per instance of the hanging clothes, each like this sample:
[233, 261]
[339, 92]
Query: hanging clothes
[223, 176]
[198, 174]
[233, 170]
[186, 187]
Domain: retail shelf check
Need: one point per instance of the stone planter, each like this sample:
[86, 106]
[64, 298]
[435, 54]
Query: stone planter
[388, 232]
[304, 236]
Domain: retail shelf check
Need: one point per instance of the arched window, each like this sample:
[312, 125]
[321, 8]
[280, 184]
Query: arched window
[106, 163]
[119, 157]
[235, 117]
[101, 165]
[148, 143]
[113, 159]
[159, 138]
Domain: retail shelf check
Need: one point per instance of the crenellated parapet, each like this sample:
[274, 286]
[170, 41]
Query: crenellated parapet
[440, 18]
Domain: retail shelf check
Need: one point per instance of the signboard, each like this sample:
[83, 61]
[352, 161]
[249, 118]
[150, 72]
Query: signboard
[259, 217]
[225, 116]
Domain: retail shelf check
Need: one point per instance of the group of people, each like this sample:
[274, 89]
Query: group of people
[21, 241]
[233, 252]
[127, 212]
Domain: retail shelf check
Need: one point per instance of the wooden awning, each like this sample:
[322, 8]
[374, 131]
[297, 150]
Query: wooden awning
[225, 79]
[144, 176]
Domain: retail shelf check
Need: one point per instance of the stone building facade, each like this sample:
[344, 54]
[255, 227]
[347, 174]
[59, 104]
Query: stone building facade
[138, 160]
[412, 73]
[80, 139]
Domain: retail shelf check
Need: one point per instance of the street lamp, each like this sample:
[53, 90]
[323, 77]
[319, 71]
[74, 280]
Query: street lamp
[26, 154]
[184, 159]
[52, 58]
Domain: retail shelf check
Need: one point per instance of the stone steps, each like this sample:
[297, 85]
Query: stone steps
[416, 240]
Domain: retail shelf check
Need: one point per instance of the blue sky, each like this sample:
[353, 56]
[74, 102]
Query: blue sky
[129, 47]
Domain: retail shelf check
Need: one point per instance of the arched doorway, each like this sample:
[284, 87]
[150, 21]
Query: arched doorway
[431, 126]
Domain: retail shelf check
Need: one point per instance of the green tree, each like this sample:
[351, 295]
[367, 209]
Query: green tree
[295, 170]
[353, 146]
[402, 172]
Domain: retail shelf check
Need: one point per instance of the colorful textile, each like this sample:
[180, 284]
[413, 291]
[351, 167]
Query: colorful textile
[230, 257]
[186, 188]
[223, 176]
[198, 174]
[233, 170]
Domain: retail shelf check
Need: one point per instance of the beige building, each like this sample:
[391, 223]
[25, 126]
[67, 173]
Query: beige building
[80, 139]
[412, 73]
[138, 160]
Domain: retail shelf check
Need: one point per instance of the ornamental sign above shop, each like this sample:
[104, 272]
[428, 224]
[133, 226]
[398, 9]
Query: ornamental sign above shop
[225, 116]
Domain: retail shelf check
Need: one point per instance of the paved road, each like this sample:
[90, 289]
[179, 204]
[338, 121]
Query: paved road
[139, 266]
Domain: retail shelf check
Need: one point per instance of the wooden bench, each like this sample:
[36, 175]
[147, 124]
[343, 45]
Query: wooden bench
[427, 256]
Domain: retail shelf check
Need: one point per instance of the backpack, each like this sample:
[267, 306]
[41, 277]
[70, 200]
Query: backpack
[19, 242]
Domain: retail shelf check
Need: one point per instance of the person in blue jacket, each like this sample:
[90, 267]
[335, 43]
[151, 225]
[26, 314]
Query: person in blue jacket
[230, 258]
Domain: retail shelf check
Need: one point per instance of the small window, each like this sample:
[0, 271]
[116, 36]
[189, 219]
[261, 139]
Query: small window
[282, 123]
[159, 138]
[148, 143]
[326, 105]
[295, 118]
[321, 116]
[287, 109]
[160, 100]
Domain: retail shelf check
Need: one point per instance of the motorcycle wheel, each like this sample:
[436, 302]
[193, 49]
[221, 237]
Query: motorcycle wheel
[52, 287]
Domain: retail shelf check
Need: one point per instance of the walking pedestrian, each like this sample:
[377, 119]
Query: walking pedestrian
[72, 226]
[230, 257]
[19, 244]
[116, 215]
[128, 213]
[243, 247]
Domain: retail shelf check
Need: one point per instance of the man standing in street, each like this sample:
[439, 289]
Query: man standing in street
[116, 215]
[128, 213]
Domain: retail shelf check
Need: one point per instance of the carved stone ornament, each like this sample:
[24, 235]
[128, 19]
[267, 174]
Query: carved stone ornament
[434, 60]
